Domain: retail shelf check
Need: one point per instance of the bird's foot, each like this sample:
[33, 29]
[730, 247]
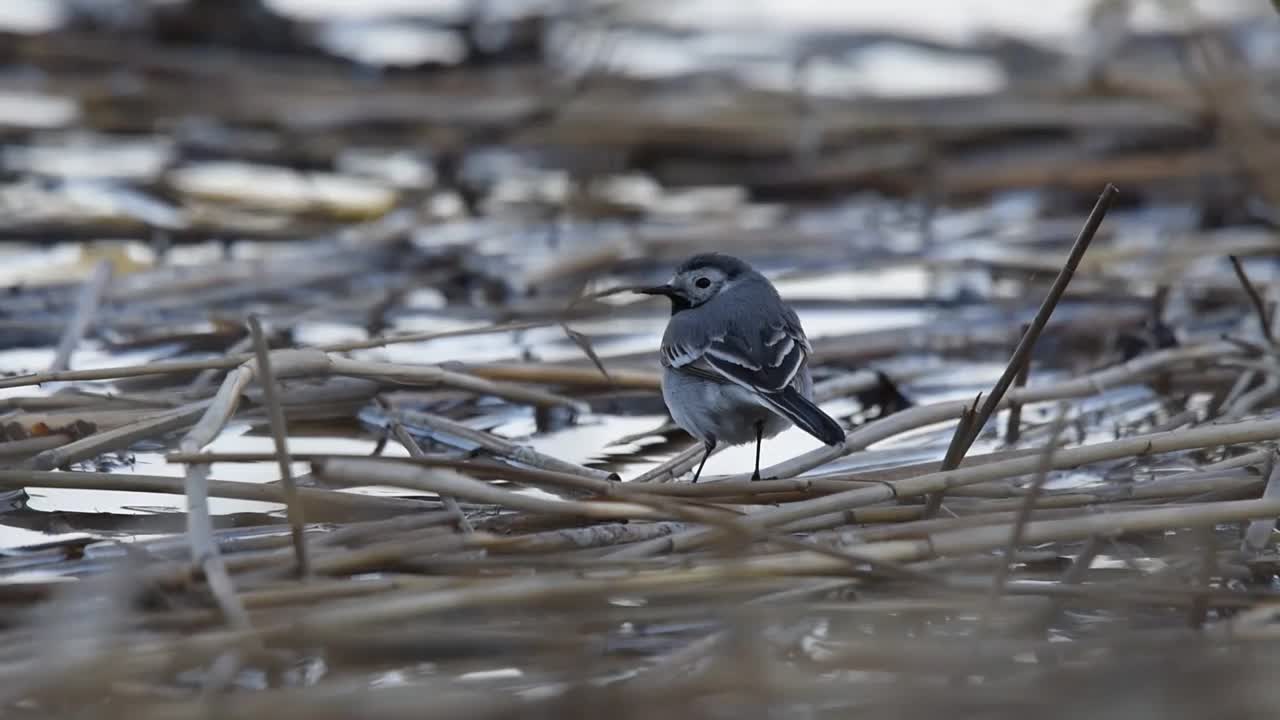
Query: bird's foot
[755, 476]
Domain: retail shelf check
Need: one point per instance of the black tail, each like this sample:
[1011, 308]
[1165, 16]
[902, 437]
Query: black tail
[808, 417]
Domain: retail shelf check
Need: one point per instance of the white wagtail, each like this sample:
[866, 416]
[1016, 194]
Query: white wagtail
[734, 358]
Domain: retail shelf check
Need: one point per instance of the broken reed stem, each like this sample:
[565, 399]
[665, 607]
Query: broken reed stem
[1208, 567]
[280, 435]
[1259, 307]
[955, 455]
[1023, 516]
[565, 375]
[1013, 429]
[330, 504]
[501, 447]
[317, 363]
[86, 310]
[205, 378]
[1073, 575]
[488, 469]
[675, 466]
[204, 549]
[1258, 535]
[1022, 354]
[450, 504]
[436, 375]
[117, 438]
[376, 342]
[366, 471]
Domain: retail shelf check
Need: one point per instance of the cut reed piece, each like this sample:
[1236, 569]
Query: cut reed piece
[118, 438]
[504, 448]
[565, 376]
[1258, 535]
[484, 469]
[323, 505]
[301, 363]
[1022, 354]
[415, 451]
[1259, 307]
[87, 305]
[354, 472]
[1023, 516]
[279, 435]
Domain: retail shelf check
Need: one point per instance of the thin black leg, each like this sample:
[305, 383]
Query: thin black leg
[759, 439]
[709, 445]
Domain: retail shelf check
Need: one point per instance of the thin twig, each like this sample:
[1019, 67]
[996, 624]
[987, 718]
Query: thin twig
[1258, 535]
[118, 438]
[1022, 354]
[280, 436]
[955, 455]
[87, 306]
[369, 471]
[1013, 429]
[329, 504]
[450, 504]
[1259, 307]
[500, 446]
[1207, 569]
[1024, 515]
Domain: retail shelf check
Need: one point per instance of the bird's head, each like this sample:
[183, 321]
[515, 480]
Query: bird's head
[699, 279]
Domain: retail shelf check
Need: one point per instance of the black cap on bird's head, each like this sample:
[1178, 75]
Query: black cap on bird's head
[731, 266]
[699, 279]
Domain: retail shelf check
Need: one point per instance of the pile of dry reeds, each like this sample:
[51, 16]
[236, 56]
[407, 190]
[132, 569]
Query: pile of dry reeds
[947, 560]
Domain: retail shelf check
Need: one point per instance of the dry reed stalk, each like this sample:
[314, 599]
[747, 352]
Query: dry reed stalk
[505, 448]
[566, 376]
[87, 306]
[321, 503]
[432, 375]
[1023, 516]
[118, 438]
[1258, 535]
[315, 363]
[25, 448]
[279, 436]
[961, 440]
[415, 451]
[1259, 307]
[447, 482]
[538, 477]
[1022, 354]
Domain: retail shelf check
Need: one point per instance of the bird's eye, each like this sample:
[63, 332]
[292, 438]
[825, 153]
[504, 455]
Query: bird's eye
[703, 282]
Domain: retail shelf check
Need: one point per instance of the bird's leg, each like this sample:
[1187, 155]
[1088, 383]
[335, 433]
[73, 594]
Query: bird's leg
[709, 445]
[759, 439]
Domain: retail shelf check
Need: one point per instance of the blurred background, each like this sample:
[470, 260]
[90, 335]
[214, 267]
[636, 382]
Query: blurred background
[479, 180]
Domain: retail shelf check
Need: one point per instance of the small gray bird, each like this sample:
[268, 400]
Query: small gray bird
[734, 358]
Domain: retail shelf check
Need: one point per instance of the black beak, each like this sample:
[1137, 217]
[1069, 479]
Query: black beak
[666, 290]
